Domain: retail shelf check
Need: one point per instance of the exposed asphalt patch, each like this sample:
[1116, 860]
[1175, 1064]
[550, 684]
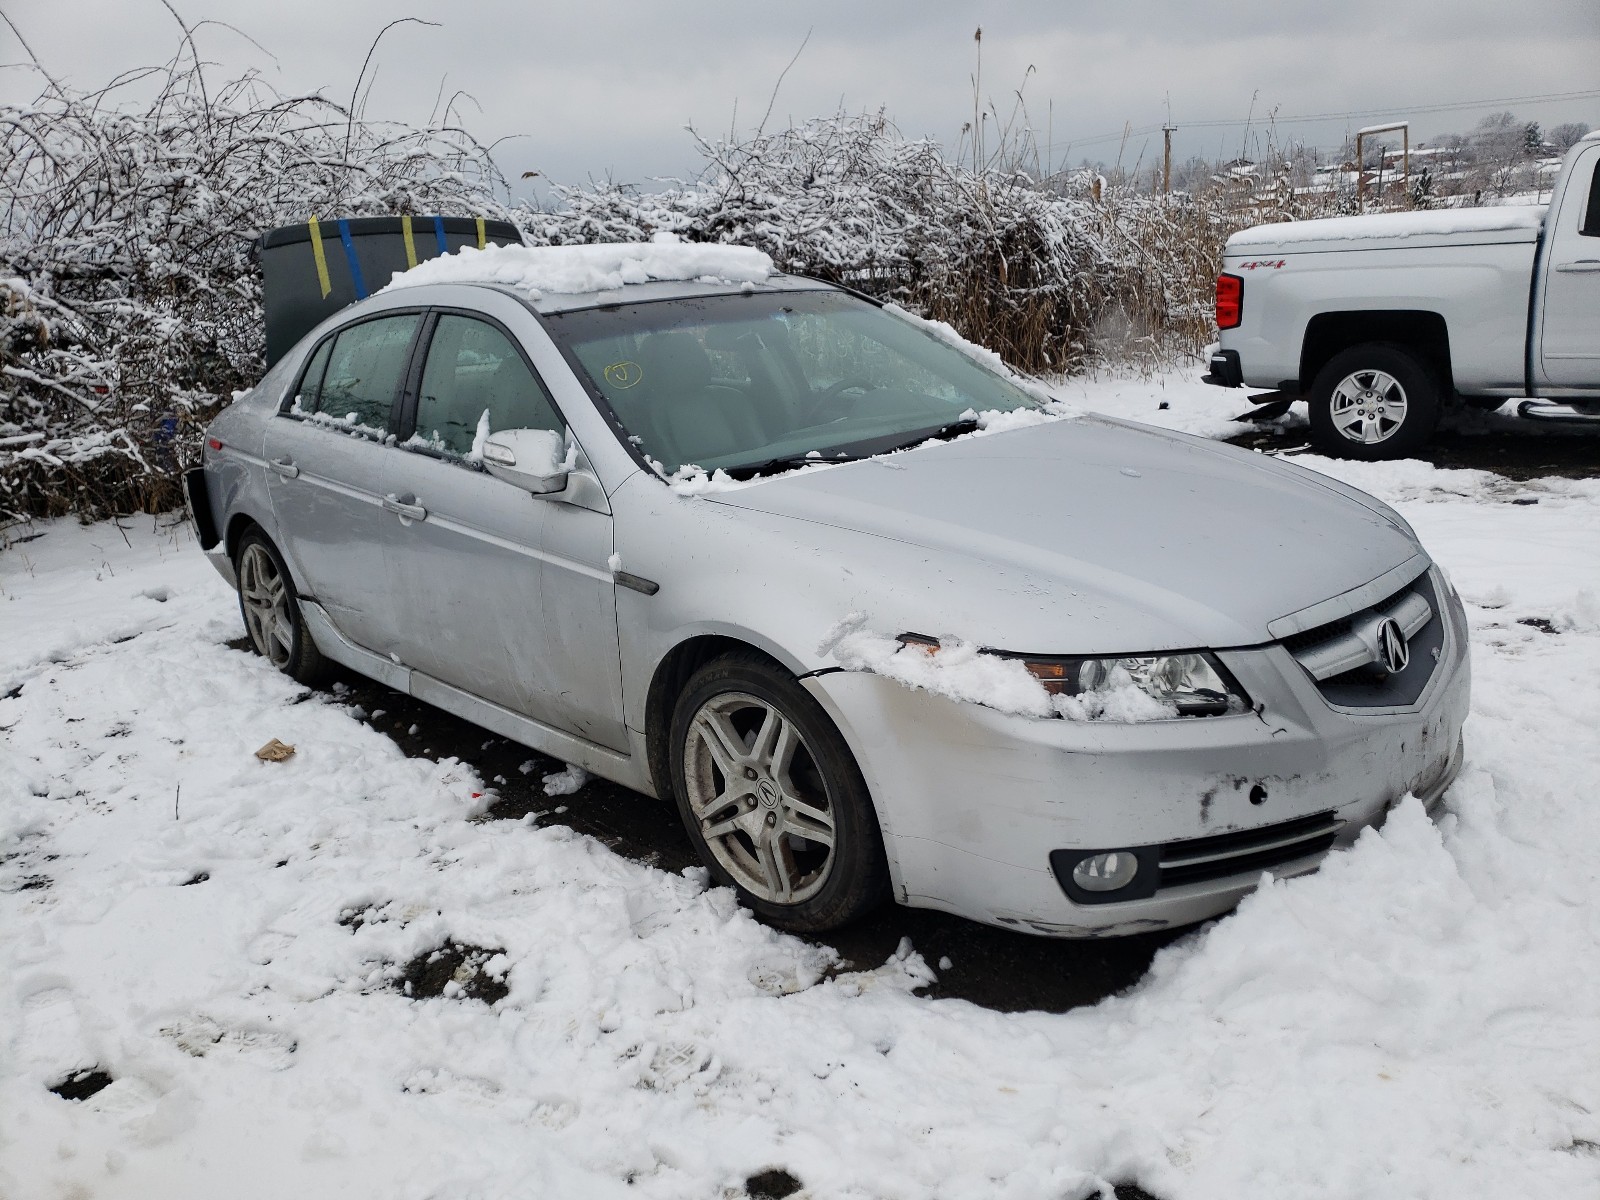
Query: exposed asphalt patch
[455, 970]
[1520, 455]
[1542, 624]
[773, 1184]
[82, 1084]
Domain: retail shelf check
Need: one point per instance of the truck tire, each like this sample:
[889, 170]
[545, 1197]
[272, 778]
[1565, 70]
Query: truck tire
[1373, 401]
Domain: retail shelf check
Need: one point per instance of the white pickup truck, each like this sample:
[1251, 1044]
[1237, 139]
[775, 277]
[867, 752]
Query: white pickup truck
[1377, 321]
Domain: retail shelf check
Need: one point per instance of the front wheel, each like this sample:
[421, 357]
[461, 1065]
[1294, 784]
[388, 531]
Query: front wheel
[1373, 401]
[271, 613]
[773, 799]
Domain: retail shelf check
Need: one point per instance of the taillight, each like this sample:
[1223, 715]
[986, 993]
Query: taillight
[1230, 301]
[213, 443]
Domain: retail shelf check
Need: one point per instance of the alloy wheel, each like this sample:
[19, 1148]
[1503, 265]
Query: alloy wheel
[1368, 406]
[761, 802]
[265, 597]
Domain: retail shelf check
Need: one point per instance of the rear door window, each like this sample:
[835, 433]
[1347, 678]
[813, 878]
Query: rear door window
[476, 383]
[364, 366]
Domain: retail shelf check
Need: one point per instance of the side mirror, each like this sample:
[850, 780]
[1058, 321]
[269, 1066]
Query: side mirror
[532, 459]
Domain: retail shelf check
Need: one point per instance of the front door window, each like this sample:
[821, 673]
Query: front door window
[475, 384]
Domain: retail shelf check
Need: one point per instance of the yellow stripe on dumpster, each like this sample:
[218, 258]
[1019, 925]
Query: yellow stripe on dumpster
[482, 239]
[411, 247]
[322, 262]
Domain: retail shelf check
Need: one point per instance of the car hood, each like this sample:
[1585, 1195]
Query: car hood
[1088, 535]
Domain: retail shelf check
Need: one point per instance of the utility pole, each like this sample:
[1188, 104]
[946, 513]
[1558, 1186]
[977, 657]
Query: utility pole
[1166, 162]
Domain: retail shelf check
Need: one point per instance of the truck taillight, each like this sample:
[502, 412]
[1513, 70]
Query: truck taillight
[1230, 301]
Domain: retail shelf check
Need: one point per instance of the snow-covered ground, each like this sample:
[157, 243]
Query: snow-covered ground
[224, 936]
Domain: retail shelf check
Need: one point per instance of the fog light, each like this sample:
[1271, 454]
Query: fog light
[1106, 872]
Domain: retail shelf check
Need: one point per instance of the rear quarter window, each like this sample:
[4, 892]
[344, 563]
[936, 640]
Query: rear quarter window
[1591, 214]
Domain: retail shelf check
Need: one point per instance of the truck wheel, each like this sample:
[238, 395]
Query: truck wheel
[773, 799]
[1373, 401]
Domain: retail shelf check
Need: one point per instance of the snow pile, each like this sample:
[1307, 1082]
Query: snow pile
[541, 270]
[954, 668]
[566, 781]
[1432, 223]
[960, 670]
[226, 940]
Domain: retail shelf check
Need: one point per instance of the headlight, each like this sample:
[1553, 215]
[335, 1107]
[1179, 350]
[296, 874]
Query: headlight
[1191, 683]
[1186, 685]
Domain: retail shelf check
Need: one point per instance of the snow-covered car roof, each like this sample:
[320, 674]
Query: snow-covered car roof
[564, 278]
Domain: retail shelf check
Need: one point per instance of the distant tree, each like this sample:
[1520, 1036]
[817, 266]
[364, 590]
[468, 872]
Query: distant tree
[1532, 140]
[1565, 137]
[1499, 146]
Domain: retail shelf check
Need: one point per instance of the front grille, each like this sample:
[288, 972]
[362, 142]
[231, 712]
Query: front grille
[1246, 851]
[1365, 684]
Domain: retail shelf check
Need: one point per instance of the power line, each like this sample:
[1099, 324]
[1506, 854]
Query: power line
[1148, 130]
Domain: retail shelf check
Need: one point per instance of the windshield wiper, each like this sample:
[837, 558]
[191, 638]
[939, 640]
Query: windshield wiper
[941, 433]
[788, 462]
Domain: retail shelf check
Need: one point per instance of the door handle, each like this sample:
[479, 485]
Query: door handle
[284, 467]
[1580, 264]
[406, 512]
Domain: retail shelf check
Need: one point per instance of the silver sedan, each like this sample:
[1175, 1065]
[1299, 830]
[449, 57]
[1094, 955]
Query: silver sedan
[626, 528]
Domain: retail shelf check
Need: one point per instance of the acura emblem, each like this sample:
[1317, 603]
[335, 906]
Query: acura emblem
[1392, 649]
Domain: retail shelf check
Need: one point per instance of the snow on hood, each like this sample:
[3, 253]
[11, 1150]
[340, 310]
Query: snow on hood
[1442, 222]
[1098, 533]
[537, 270]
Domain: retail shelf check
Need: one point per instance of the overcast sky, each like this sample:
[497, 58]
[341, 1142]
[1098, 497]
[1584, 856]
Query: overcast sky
[605, 87]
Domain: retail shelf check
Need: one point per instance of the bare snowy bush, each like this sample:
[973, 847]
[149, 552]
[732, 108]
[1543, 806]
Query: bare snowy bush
[129, 303]
[1047, 274]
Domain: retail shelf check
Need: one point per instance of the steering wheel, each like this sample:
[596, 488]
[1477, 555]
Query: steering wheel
[827, 405]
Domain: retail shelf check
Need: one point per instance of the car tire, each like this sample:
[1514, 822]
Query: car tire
[271, 611]
[772, 797]
[1373, 401]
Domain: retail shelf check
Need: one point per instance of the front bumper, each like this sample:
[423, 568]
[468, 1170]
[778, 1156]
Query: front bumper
[972, 801]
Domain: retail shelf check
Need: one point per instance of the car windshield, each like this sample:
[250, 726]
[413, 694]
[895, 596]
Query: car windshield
[754, 382]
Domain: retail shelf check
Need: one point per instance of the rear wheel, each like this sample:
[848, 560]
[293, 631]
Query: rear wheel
[772, 797]
[271, 613]
[1373, 401]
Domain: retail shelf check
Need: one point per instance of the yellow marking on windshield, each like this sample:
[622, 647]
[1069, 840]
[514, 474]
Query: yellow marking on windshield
[623, 375]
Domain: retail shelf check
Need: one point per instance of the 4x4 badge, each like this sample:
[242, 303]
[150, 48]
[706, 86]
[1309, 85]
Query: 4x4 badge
[1392, 649]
